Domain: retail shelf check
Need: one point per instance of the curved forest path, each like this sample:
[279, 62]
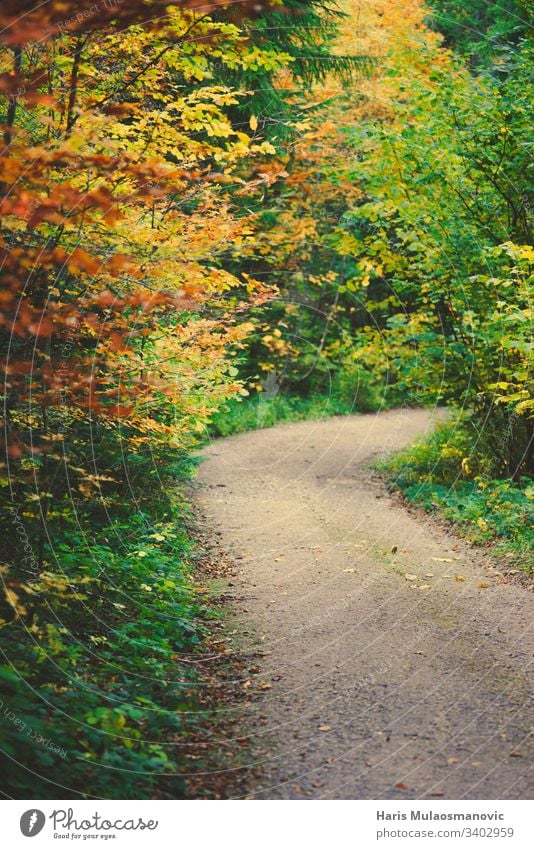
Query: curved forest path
[393, 659]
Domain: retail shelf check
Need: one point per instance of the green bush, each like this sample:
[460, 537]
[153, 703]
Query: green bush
[95, 698]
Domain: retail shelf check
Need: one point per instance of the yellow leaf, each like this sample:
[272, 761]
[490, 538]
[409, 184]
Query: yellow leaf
[253, 122]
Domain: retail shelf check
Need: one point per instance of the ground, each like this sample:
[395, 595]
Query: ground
[392, 659]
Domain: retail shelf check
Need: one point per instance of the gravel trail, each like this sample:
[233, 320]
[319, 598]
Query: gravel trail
[394, 659]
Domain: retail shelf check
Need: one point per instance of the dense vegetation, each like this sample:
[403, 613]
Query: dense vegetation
[274, 215]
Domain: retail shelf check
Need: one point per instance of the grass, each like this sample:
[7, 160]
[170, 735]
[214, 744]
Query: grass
[259, 412]
[437, 475]
[100, 693]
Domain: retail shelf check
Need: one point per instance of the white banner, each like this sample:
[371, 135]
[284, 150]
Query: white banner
[266, 824]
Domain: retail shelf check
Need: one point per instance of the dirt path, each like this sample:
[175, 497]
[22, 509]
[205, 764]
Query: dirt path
[376, 684]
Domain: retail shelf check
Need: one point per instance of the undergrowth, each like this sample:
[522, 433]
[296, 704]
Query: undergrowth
[99, 693]
[452, 473]
[258, 412]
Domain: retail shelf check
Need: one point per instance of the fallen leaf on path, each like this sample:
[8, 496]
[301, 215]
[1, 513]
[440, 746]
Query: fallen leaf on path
[429, 575]
[266, 686]
[442, 559]
[516, 755]
[394, 549]
[349, 570]
[483, 586]
[325, 728]
[401, 786]
[412, 577]
[452, 761]
[476, 763]
[424, 587]
[459, 579]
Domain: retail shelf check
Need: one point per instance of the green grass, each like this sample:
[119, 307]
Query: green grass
[259, 412]
[445, 475]
[96, 694]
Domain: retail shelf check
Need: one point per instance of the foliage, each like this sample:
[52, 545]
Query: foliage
[418, 268]
[451, 472]
[104, 636]
[197, 206]
[486, 33]
[352, 389]
[127, 179]
[259, 412]
[445, 179]
[300, 35]
[116, 312]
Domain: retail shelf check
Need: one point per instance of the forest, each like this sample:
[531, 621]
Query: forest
[218, 217]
